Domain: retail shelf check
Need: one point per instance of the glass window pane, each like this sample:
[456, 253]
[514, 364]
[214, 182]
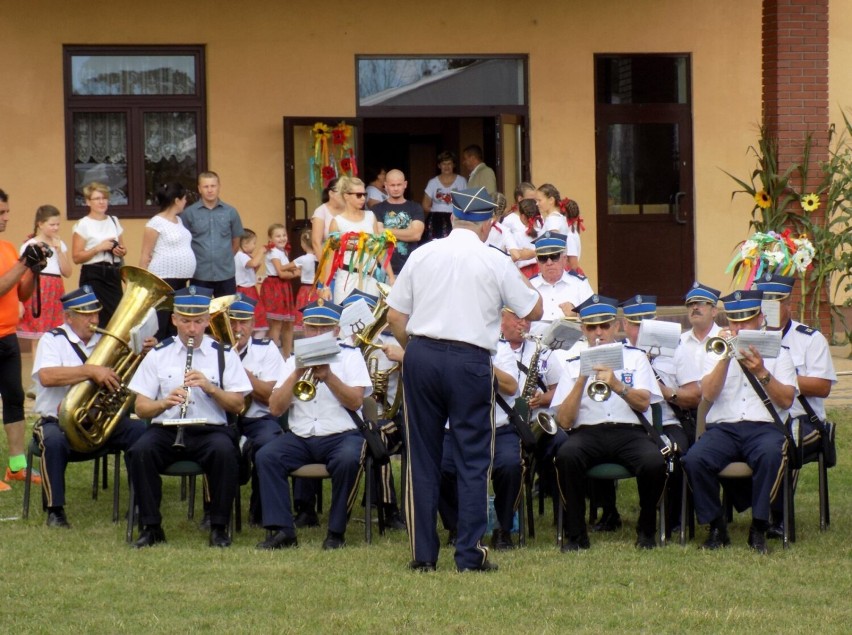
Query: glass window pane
[643, 175]
[100, 154]
[441, 82]
[170, 151]
[643, 79]
[133, 75]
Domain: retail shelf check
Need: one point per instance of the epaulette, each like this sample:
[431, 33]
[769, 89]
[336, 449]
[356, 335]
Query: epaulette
[498, 250]
[634, 348]
[538, 275]
[260, 341]
[804, 328]
[164, 343]
[577, 274]
[225, 347]
[574, 359]
[785, 347]
[342, 345]
[56, 331]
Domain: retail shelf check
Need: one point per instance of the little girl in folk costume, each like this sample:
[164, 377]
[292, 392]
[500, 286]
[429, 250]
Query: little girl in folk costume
[52, 288]
[306, 266]
[276, 291]
[246, 262]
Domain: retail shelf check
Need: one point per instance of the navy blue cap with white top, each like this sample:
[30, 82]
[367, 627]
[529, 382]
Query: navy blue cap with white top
[473, 204]
[742, 305]
[192, 300]
[639, 307]
[82, 300]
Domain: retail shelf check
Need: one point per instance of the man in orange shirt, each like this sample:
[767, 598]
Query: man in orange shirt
[16, 284]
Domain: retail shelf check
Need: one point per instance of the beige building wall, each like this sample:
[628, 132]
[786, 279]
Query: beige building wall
[268, 59]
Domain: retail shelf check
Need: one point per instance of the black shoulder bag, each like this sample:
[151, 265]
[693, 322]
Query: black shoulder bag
[667, 447]
[372, 435]
[827, 431]
[523, 430]
[794, 445]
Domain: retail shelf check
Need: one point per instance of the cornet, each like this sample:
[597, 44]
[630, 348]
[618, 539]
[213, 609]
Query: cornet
[719, 348]
[306, 388]
[598, 390]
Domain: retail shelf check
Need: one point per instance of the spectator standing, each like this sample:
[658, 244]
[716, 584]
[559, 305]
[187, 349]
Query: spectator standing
[403, 218]
[438, 201]
[332, 205]
[246, 262]
[478, 174]
[216, 229]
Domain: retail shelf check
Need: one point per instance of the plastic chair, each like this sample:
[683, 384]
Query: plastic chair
[33, 450]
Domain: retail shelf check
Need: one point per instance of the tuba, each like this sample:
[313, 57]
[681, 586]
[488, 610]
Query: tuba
[366, 340]
[89, 413]
[221, 331]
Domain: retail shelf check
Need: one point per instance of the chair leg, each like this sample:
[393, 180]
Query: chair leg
[238, 512]
[368, 500]
[28, 483]
[529, 477]
[522, 538]
[96, 475]
[190, 512]
[684, 504]
[786, 509]
[105, 473]
[559, 524]
[116, 486]
[824, 518]
[131, 514]
[663, 518]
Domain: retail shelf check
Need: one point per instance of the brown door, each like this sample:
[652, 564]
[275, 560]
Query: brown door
[303, 180]
[512, 153]
[644, 197]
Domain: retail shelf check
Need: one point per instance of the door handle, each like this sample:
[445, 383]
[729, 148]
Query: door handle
[676, 217]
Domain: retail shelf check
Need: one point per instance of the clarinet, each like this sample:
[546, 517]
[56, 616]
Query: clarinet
[190, 342]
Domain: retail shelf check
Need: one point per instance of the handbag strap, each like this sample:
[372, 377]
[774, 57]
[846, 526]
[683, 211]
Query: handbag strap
[765, 399]
[818, 423]
[524, 432]
[665, 449]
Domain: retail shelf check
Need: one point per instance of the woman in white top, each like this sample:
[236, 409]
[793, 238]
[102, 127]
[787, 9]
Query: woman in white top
[550, 204]
[437, 200]
[167, 247]
[51, 286]
[98, 244]
[332, 205]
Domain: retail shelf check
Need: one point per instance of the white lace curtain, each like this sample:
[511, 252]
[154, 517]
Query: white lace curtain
[102, 137]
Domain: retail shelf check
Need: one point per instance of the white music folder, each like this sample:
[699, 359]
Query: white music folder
[148, 327]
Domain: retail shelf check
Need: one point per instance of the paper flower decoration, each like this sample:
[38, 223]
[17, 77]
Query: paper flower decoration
[810, 202]
[762, 199]
[771, 252]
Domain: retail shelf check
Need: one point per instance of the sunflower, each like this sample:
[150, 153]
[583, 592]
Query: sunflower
[810, 202]
[762, 199]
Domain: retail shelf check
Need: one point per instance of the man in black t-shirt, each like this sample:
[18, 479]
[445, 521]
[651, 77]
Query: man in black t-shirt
[404, 219]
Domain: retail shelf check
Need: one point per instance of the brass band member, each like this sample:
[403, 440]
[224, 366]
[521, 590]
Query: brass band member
[321, 431]
[739, 426]
[214, 387]
[607, 431]
[60, 362]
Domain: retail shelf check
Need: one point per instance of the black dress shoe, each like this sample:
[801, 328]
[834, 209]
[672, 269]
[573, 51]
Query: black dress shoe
[56, 518]
[775, 531]
[451, 538]
[485, 567]
[278, 540]
[204, 525]
[333, 542]
[219, 537]
[716, 539]
[645, 541]
[501, 540]
[610, 521]
[757, 540]
[576, 543]
[423, 567]
[396, 522]
[306, 519]
[150, 536]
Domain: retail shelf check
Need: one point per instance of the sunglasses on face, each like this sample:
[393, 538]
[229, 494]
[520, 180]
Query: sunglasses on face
[551, 257]
[593, 327]
[358, 194]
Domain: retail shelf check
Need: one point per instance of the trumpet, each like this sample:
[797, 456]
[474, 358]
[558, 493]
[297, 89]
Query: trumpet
[306, 388]
[719, 348]
[598, 390]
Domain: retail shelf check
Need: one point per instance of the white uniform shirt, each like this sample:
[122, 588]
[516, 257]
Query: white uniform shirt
[263, 360]
[695, 347]
[455, 289]
[505, 360]
[571, 287]
[675, 371]
[812, 358]
[163, 370]
[324, 414]
[55, 351]
[636, 374]
[738, 401]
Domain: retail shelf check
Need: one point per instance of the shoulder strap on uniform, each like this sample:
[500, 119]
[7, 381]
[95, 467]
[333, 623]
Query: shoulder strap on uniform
[74, 345]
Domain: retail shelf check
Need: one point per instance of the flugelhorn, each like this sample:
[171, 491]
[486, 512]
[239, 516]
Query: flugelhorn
[306, 388]
[598, 390]
[719, 348]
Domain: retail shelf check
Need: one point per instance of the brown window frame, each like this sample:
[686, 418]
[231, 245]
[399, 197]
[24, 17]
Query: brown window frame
[135, 107]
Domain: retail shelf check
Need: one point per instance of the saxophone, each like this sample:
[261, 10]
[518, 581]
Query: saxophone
[544, 423]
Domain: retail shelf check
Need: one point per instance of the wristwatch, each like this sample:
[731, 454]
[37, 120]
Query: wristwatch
[674, 395]
[765, 379]
[623, 393]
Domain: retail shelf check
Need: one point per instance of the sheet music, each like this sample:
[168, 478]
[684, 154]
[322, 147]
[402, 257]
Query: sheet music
[658, 337]
[767, 343]
[305, 362]
[607, 355]
[356, 317]
[772, 312]
[322, 345]
[148, 327]
[562, 335]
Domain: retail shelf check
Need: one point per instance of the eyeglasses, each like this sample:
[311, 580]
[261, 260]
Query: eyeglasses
[551, 257]
[358, 194]
[593, 327]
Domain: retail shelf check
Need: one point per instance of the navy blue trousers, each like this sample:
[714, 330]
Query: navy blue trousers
[506, 475]
[453, 382]
[260, 431]
[343, 455]
[56, 453]
[759, 444]
[214, 448]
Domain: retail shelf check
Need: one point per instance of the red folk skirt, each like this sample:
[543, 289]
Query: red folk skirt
[277, 295]
[259, 310]
[306, 294]
[52, 289]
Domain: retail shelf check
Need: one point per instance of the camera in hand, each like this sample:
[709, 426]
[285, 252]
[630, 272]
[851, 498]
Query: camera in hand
[35, 256]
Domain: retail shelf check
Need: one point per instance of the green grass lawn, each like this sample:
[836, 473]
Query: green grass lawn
[88, 580]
